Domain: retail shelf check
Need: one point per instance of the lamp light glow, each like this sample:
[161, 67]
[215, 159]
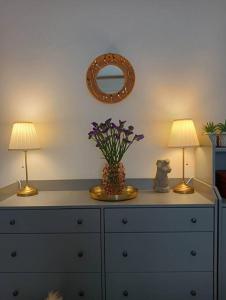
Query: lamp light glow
[24, 137]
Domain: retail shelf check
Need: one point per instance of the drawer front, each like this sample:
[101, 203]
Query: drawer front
[49, 221]
[159, 252]
[36, 286]
[160, 286]
[158, 219]
[79, 252]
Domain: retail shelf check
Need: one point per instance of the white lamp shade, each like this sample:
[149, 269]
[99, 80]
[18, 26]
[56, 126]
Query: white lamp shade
[24, 137]
[183, 134]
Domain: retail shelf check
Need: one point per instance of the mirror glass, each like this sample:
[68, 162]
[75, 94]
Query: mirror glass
[110, 79]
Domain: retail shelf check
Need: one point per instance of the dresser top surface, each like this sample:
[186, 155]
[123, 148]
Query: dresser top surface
[82, 199]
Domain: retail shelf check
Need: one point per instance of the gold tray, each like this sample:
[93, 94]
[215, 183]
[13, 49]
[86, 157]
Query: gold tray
[97, 192]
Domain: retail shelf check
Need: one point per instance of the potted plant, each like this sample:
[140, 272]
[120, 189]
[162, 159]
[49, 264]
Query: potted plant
[222, 133]
[210, 129]
[113, 141]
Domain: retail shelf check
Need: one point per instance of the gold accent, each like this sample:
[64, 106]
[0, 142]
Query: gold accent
[99, 63]
[27, 191]
[98, 193]
[183, 188]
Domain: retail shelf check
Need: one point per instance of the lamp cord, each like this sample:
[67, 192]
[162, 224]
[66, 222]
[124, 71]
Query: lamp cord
[183, 162]
[26, 170]
[184, 170]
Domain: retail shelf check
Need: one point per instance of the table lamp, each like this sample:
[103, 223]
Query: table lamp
[183, 135]
[24, 138]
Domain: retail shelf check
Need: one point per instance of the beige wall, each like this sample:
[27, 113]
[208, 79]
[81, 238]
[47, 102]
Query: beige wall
[177, 48]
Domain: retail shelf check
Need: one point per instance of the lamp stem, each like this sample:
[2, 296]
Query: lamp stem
[183, 162]
[27, 190]
[26, 170]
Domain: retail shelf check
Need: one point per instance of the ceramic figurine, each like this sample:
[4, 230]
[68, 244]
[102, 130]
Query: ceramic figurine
[161, 184]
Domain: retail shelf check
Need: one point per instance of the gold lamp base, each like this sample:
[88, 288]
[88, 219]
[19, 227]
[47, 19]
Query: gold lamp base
[27, 191]
[183, 188]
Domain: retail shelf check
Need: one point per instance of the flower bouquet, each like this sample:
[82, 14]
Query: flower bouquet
[113, 141]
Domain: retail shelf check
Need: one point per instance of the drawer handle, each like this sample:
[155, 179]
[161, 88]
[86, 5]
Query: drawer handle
[193, 293]
[80, 221]
[125, 293]
[124, 253]
[81, 293]
[15, 293]
[12, 222]
[13, 254]
[124, 221]
[80, 254]
[193, 220]
[193, 253]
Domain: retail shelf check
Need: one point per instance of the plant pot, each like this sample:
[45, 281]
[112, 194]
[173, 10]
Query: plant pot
[223, 139]
[113, 179]
[214, 138]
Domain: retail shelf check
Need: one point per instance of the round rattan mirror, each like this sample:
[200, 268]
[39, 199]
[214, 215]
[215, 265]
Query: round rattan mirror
[110, 78]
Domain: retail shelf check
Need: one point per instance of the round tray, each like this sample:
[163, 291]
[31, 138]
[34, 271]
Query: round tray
[98, 193]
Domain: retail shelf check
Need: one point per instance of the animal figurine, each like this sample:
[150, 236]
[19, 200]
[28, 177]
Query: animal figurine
[161, 184]
[54, 295]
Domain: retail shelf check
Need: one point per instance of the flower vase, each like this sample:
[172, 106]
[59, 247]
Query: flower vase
[113, 179]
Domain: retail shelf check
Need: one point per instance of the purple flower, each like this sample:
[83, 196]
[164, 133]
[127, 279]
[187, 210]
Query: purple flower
[108, 122]
[121, 124]
[96, 131]
[138, 137]
[104, 130]
[113, 125]
[127, 132]
[90, 134]
[103, 127]
[113, 140]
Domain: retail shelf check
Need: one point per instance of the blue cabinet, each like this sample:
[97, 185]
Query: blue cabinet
[108, 251]
[159, 253]
[48, 249]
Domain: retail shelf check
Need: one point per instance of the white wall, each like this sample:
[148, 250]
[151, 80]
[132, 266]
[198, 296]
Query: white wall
[177, 48]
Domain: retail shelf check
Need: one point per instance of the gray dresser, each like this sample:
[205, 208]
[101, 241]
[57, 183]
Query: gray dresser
[45, 249]
[155, 247]
[159, 253]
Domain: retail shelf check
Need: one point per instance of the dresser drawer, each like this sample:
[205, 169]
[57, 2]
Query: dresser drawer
[160, 286]
[158, 219]
[79, 252]
[36, 286]
[48, 221]
[159, 252]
